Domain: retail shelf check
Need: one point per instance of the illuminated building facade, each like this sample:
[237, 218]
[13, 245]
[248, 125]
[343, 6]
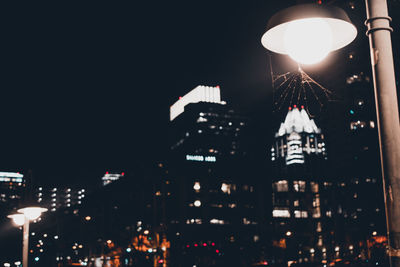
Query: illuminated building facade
[108, 178]
[12, 186]
[55, 198]
[210, 193]
[302, 204]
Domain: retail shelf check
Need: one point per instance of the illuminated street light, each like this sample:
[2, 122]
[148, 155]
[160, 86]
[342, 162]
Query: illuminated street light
[18, 219]
[282, 28]
[32, 213]
[25, 215]
[309, 32]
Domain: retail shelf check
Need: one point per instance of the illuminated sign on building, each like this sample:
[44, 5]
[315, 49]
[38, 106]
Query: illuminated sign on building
[111, 177]
[201, 158]
[199, 94]
[13, 177]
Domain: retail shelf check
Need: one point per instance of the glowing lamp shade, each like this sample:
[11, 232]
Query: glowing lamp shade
[309, 32]
[18, 219]
[32, 213]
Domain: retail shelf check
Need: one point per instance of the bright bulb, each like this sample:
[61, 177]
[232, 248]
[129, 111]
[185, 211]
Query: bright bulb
[308, 41]
[18, 219]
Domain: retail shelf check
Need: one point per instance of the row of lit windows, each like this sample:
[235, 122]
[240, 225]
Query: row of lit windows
[225, 188]
[285, 213]
[354, 125]
[245, 221]
[298, 186]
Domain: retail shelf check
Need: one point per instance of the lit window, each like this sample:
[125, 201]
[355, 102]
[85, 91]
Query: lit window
[372, 124]
[314, 187]
[299, 186]
[217, 221]
[196, 186]
[281, 186]
[329, 213]
[193, 221]
[197, 203]
[227, 188]
[319, 227]
[281, 213]
[316, 212]
[300, 214]
[354, 125]
[296, 203]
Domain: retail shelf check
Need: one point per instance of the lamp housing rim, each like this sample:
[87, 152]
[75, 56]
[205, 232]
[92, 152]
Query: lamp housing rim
[343, 30]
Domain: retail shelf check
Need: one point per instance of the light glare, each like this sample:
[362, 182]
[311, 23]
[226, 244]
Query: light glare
[18, 219]
[308, 41]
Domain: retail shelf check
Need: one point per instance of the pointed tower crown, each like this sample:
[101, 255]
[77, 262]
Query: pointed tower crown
[297, 121]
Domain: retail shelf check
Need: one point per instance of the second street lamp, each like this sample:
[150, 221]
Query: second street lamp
[22, 218]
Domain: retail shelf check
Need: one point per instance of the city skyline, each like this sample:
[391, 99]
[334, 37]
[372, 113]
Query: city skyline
[87, 88]
[177, 134]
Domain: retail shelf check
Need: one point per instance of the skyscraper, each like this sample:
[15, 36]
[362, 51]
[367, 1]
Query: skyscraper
[12, 185]
[301, 192]
[211, 189]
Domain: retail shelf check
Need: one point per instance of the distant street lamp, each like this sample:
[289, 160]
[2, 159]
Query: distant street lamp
[307, 33]
[22, 219]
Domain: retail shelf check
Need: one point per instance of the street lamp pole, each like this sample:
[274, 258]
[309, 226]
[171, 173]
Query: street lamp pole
[25, 244]
[378, 23]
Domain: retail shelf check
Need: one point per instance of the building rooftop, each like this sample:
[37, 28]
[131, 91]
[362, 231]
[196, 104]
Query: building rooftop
[297, 121]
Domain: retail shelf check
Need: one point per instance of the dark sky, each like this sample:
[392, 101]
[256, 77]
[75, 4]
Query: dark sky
[86, 87]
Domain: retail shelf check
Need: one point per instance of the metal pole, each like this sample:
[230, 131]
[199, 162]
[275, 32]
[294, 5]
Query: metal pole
[25, 244]
[378, 23]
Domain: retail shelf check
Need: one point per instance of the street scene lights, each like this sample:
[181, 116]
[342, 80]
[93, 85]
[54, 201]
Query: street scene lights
[22, 219]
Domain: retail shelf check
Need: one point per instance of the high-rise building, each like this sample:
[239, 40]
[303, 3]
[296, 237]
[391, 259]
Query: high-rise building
[301, 193]
[360, 192]
[111, 177]
[210, 195]
[12, 186]
[54, 198]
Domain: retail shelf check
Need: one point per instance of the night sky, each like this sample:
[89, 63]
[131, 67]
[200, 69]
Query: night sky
[86, 88]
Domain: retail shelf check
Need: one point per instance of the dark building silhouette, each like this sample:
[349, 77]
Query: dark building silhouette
[211, 198]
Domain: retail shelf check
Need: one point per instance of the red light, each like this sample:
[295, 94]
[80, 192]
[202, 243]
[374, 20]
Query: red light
[217, 250]
[319, 2]
[161, 261]
[195, 245]
[106, 172]
[265, 263]
[212, 244]
[122, 173]
[187, 246]
[302, 107]
[290, 108]
[204, 244]
[180, 97]
[294, 106]
[217, 86]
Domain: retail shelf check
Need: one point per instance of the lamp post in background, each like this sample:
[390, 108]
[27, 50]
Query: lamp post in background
[22, 219]
[307, 33]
